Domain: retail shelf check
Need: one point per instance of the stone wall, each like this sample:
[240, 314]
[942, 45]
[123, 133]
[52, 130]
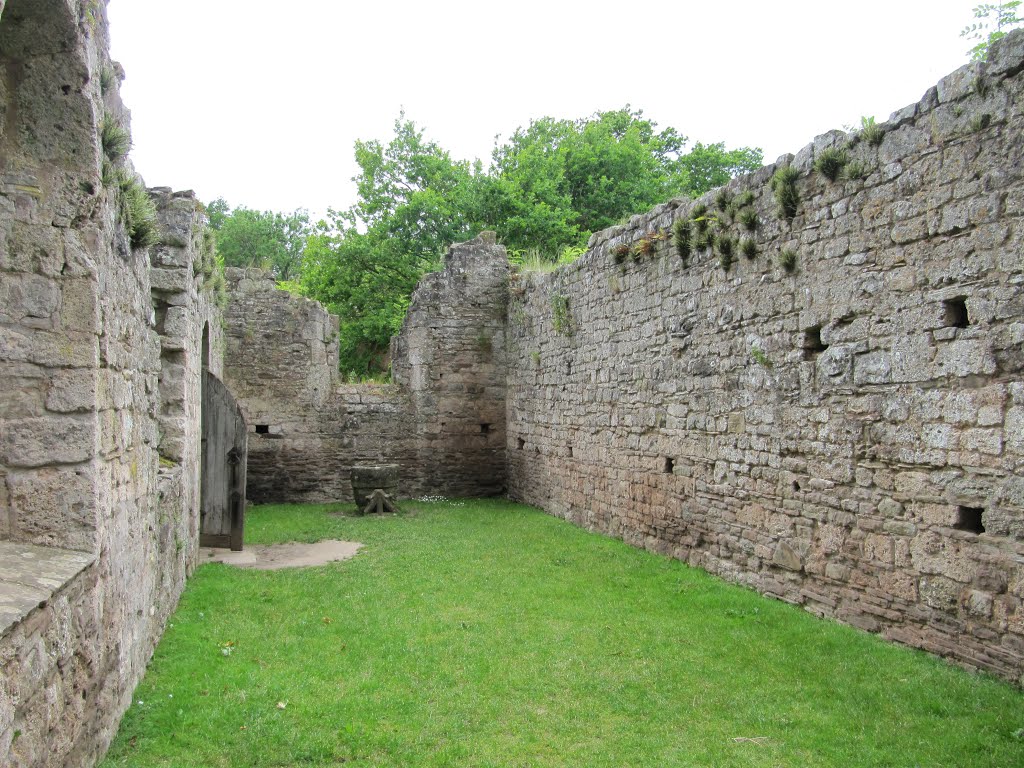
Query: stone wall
[840, 428]
[847, 436]
[441, 422]
[93, 561]
[188, 319]
[450, 358]
[306, 429]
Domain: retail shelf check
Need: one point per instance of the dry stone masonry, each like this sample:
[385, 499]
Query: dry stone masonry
[816, 391]
[450, 358]
[847, 436]
[100, 354]
[442, 422]
[818, 395]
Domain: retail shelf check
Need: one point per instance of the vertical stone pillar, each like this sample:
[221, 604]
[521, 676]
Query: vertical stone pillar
[450, 356]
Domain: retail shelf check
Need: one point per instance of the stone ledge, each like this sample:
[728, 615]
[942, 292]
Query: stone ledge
[30, 575]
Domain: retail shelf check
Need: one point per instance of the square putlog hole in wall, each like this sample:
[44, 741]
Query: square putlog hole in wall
[970, 519]
[262, 429]
[485, 429]
[812, 343]
[669, 466]
[520, 443]
[954, 313]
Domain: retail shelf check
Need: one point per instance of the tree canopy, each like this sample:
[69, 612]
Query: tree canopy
[548, 188]
[555, 182]
[248, 238]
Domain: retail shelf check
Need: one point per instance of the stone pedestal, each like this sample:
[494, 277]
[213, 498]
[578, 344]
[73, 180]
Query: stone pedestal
[368, 478]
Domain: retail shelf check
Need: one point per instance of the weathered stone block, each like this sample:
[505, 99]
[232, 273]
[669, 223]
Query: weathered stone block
[989, 441]
[72, 390]
[939, 593]
[911, 356]
[1005, 55]
[179, 322]
[36, 442]
[54, 349]
[872, 368]
[170, 280]
[786, 557]
[965, 357]
[27, 296]
[977, 604]
[80, 311]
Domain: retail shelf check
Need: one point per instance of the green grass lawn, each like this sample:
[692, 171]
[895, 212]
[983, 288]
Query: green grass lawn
[490, 634]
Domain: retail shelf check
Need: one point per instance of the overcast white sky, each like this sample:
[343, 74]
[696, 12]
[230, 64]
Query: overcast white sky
[260, 102]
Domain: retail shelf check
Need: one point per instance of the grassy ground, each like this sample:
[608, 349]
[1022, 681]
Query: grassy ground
[489, 634]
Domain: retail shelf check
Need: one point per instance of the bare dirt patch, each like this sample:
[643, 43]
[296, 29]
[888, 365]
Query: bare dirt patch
[274, 556]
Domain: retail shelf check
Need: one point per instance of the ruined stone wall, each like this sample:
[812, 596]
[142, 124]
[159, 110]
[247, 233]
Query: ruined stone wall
[847, 436]
[450, 358]
[188, 319]
[306, 428]
[441, 422]
[93, 563]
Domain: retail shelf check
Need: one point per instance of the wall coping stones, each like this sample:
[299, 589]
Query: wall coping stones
[30, 575]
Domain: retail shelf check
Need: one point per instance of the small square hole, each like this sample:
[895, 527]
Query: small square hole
[570, 451]
[969, 519]
[485, 429]
[670, 465]
[812, 343]
[262, 429]
[520, 443]
[955, 313]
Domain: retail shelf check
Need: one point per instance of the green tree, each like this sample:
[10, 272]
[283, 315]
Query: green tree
[217, 211]
[364, 278]
[994, 20]
[525, 196]
[413, 192]
[249, 238]
[561, 180]
[363, 264]
[707, 166]
[549, 187]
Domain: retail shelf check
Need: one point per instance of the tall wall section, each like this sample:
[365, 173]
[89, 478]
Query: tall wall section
[450, 358]
[91, 561]
[441, 422]
[848, 435]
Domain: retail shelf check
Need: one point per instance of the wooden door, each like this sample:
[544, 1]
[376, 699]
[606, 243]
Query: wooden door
[222, 483]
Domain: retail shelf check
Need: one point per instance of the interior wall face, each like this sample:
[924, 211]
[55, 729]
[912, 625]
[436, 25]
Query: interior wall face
[831, 411]
[441, 422]
[846, 435]
[97, 536]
